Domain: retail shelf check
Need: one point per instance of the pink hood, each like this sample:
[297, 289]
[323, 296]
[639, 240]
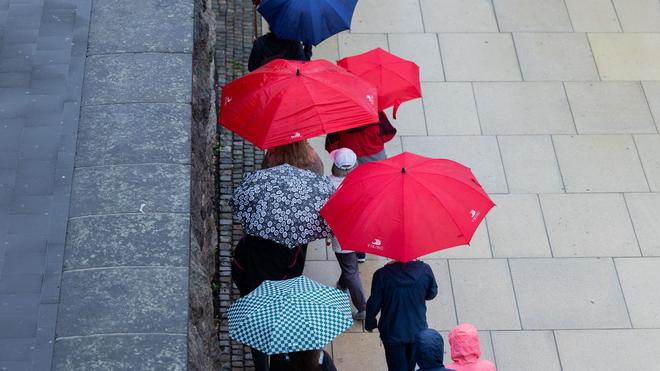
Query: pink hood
[464, 342]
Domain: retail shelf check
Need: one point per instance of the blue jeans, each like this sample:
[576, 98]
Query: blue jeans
[400, 357]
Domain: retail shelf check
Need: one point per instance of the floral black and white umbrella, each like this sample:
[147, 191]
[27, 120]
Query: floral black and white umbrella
[282, 204]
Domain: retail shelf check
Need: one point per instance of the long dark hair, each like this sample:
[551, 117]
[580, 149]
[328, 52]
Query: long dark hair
[307, 360]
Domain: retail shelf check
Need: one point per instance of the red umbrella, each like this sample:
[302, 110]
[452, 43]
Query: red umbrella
[406, 206]
[397, 79]
[286, 101]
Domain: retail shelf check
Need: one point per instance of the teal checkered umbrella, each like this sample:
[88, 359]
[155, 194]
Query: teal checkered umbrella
[289, 316]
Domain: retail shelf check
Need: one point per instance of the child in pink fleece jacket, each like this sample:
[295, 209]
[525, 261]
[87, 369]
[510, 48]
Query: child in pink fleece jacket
[465, 350]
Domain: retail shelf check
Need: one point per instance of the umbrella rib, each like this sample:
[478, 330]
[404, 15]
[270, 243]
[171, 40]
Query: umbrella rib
[443, 205]
[341, 91]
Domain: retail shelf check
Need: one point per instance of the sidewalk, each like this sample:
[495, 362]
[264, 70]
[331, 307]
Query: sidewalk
[554, 106]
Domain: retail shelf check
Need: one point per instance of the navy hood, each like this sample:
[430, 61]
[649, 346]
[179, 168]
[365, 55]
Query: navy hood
[430, 350]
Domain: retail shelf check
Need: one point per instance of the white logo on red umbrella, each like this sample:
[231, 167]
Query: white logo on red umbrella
[474, 214]
[370, 98]
[227, 100]
[296, 135]
[376, 244]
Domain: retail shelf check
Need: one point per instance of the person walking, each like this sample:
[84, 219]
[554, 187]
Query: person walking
[399, 291]
[344, 160]
[368, 143]
[465, 350]
[298, 154]
[256, 260]
[430, 351]
[268, 47]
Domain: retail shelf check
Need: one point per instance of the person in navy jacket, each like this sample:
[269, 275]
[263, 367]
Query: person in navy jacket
[399, 291]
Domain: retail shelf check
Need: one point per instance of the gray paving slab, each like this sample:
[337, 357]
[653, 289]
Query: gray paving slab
[638, 15]
[410, 119]
[133, 133]
[530, 164]
[106, 301]
[525, 350]
[523, 108]
[130, 189]
[555, 56]
[600, 163]
[124, 240]
[610, 108]
[507, 237]
[117, 352]
[421, 48]
[387, 16]
[119, 26]
[440, 311]
[352, 43]
[648, 147]
[589, 225]
[640, 282]
[458, 16]
[615, 53]
[137, 77]
[483, 294]
[16, 349]
[645, 214]
[578, 293]
[450, 109]
[652, 91]
[594, 350]
[21, 304]
[532, 16]
[479, 57]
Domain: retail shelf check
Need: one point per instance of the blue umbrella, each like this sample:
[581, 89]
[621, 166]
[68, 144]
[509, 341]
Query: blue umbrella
[309, 21]
[289, 316]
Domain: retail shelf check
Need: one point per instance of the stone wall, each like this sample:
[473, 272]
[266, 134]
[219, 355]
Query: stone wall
[202, 332]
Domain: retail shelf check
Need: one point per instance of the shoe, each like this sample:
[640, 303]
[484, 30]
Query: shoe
[360, 316]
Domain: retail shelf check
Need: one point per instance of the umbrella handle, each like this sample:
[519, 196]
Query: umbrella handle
[396, 108]
[254, 20]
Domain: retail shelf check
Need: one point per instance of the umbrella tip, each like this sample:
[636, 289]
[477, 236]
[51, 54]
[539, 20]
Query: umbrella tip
[298, 72]
[403, 170]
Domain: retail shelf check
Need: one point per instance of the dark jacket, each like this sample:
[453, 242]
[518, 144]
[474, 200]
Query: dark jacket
[257, 259]
[282, 363]
[429, 351]
[268, 47]
[399, 292]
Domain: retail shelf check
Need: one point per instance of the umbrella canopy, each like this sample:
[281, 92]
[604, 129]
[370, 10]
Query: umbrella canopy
[309, 21]
[286, 101]
[396, 79]
[406, 206]
[282, 204]
[289, 316]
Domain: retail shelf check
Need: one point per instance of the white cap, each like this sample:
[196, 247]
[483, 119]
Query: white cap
[344, 158]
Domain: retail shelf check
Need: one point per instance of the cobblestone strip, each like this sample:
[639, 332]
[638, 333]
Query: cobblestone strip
[235, 30]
